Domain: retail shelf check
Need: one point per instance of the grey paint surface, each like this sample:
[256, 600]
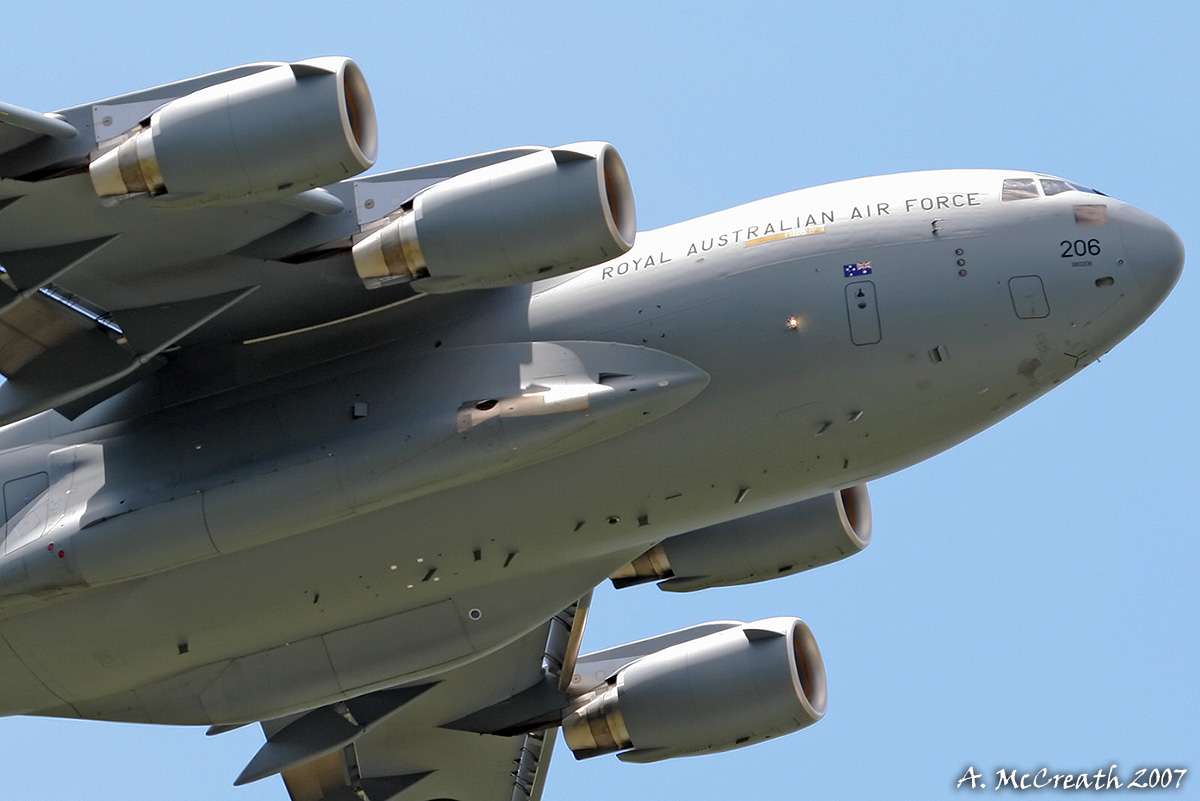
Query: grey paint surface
[710, 310]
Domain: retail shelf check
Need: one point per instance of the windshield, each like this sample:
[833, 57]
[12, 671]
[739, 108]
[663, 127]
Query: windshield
[1025, 188]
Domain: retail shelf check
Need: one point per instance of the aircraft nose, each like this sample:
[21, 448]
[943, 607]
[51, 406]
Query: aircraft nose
[1154, 251]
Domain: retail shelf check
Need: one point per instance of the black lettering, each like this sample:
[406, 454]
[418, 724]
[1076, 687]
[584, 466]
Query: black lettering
[691, 250]
[770, 229]
[927, 204]
[1079, 247]
[908, 204]
[606, 272]
[973, 199]
[622, 268]
[826, 217]
[723, 240]
[856, 214]
[649, 261]
[783, 227]
[943, 202]
[752, 232]
[881, 209]
[662, 258]
[706, 247]
[959, 201]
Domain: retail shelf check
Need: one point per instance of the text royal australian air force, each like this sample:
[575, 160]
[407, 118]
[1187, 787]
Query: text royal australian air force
[813, 213]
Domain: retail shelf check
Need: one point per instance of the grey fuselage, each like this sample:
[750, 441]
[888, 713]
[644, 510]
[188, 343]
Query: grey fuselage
[312, 534]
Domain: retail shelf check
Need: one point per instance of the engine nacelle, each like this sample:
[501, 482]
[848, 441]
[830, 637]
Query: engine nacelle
[759, 547]
[531, 217]
[281, 131]
[722, 691]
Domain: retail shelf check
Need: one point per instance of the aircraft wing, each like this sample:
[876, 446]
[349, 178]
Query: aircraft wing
[407, 755]
[424, 740]
[220, 210]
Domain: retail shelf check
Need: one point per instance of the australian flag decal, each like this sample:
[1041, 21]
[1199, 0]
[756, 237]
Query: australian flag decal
[857, 269]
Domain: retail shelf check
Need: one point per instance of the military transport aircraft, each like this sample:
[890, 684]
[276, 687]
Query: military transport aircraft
[347, 456]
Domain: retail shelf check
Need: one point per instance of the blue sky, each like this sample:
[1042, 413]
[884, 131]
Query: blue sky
[1029, 599]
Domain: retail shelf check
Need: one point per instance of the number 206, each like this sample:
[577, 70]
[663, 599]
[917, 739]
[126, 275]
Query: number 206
[1079, 247]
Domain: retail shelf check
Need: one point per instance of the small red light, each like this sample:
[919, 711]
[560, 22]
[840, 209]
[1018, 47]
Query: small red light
[61, 554]
[50, 547]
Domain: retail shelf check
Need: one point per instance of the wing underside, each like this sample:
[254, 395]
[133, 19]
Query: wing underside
[94, 290]
[437, 739]
[409, 756]
[203, 214]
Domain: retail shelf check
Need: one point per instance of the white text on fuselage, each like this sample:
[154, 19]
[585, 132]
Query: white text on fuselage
[800, 225]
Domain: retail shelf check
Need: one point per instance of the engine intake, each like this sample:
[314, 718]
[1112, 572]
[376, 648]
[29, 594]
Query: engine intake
[532, 217]
[759, 547]
[276, 132]
[726, 690]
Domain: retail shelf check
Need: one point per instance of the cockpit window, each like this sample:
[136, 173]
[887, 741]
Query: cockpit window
[1019, 189]
[1056, 185]
[1053, 186]
[1023, 188]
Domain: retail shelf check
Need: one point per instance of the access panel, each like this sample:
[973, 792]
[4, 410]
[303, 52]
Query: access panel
[1029, 297]
[863, 312]
[20, 492]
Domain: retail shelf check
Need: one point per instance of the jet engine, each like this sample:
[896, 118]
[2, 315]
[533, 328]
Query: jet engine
[759, 547]
[531, 217]
[736, 687]
[281, 131]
